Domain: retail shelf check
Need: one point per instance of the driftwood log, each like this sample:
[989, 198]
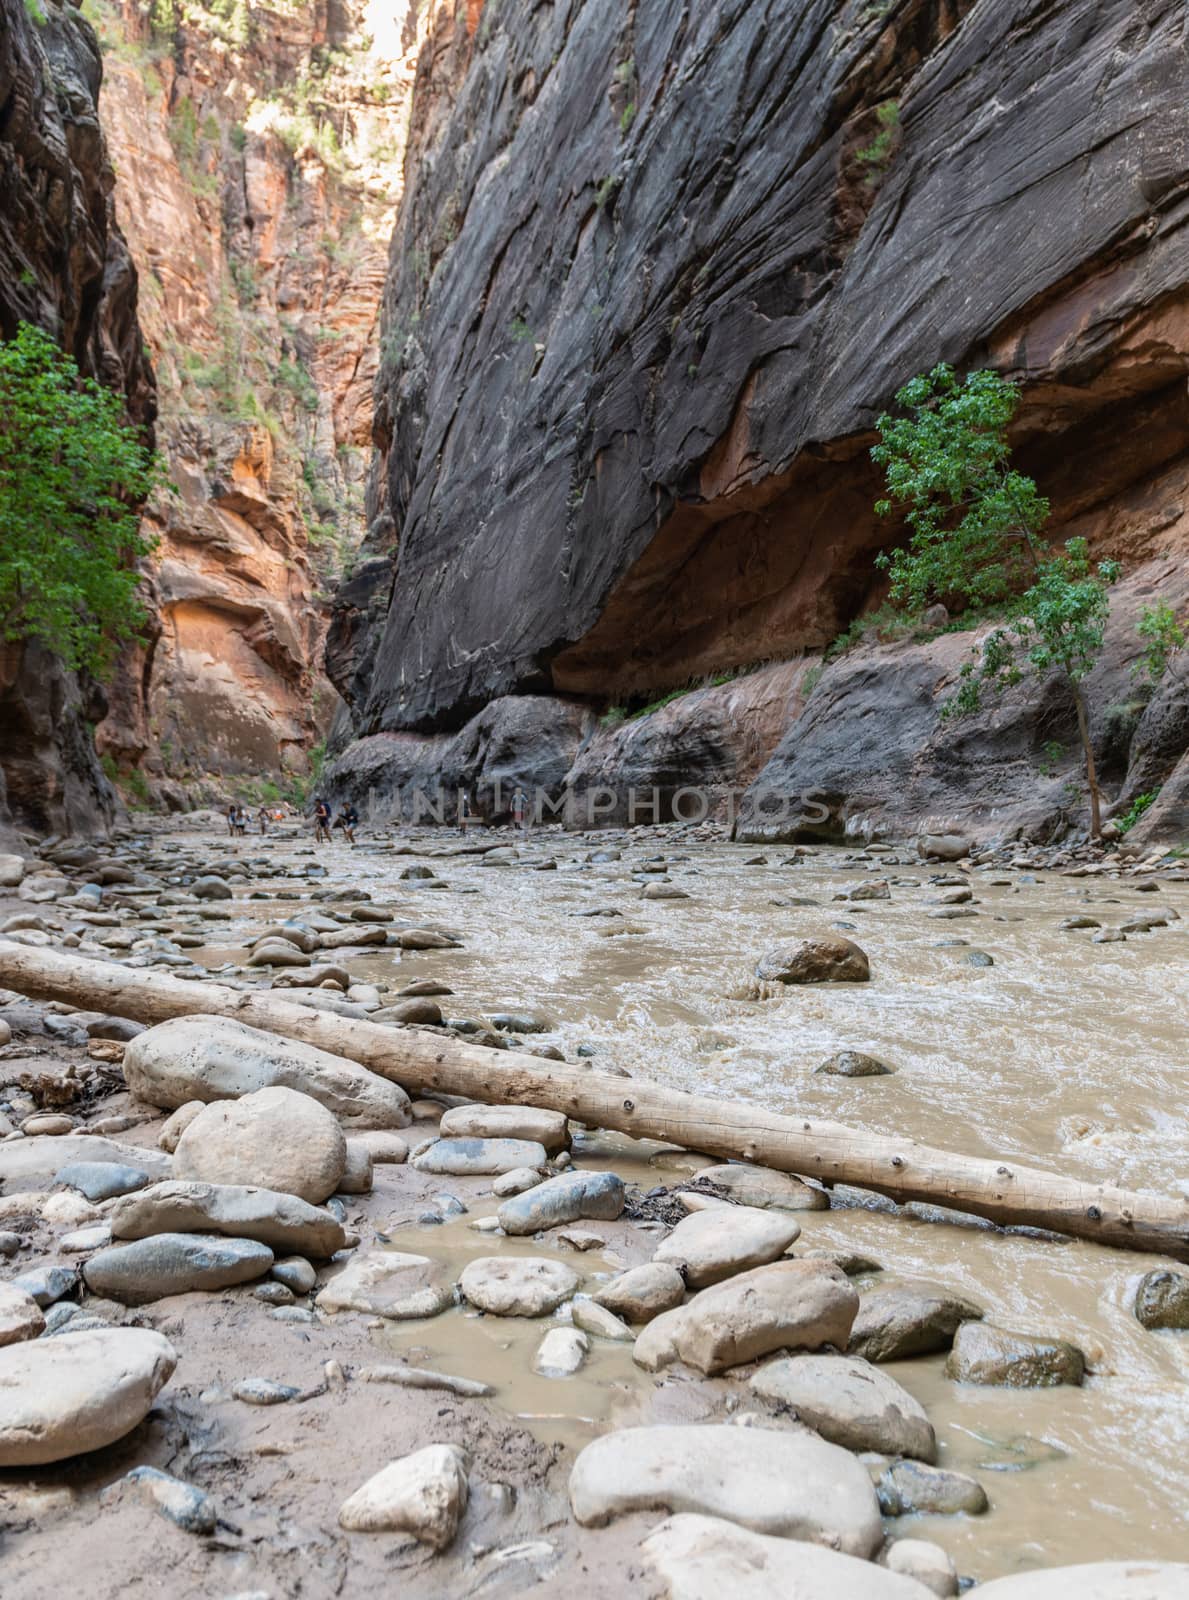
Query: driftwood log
[1004, 1191]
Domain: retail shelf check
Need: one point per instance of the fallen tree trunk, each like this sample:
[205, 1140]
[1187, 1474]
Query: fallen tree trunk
[1003, 1191]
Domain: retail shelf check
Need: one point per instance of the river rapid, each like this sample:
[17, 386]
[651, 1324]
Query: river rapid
[1060, 1052]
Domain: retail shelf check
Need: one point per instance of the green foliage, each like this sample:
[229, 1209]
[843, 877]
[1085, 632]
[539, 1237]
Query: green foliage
[293, 376]
[627, 118]
[1162, 635]
[1051, 756]
[613, 716]
[36, 13]
[1136, 810]
[72, 472]
[812, 678]
[520, 330]
[878, 154]
[607, 189]
[183, 130]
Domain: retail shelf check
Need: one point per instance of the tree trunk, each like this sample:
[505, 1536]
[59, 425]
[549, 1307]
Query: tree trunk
[1004, 1191]
[1079, 701]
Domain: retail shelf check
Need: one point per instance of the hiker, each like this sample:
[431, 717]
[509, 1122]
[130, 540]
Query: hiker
[464, 810]
[348, 821]
[520, 809]
[321, 822]
[241, 821]
[262, 819]
[231, 821]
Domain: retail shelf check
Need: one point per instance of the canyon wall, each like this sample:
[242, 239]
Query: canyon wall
[65, 267]
[658, 268]
[258, 151]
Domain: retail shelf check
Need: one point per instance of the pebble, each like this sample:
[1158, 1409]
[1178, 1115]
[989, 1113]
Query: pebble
[187, 1507]
[516, 1181]
[561, 1353]
[47, 1284]
[424, 1378]
[294, 1273]
[906, 1488]
[595, 1319]
[263, 1392]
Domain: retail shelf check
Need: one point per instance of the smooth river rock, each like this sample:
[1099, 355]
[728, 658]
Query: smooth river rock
[788, 1305]
[101, 1180]
[791, 1485]
[764, 1188]
[174, 1263]
[905, 1488]
[642, 1292]
[850, 1402]
[478, 1158]
[712, 1245]
[217, 1058]
[923, 1561]
[64, 1396]
[20, 1316]
[422, 1495]
[272, 1139]
[572, 1197]
[23, 1162]
[1162, 1300]
[548, 1128]
[897, 1320]
[998, 1357]
[284, 1222]
[561, 1353]
[707, 1558]
[824, 960]
[389, 1283]
[517, 1286]
[1100, 1580]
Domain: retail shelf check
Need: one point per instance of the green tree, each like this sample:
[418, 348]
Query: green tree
[1163, 636]
[72, 475]
[976, 543]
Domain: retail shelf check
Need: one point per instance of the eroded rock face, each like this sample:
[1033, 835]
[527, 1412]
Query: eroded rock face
[630, 378]
[64, 265]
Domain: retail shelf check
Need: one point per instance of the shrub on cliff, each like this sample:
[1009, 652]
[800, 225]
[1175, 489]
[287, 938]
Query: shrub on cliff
[976, 543]
[72, 474]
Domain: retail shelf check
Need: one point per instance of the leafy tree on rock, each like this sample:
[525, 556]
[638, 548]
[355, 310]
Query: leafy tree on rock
[976, 543]
[72, 474]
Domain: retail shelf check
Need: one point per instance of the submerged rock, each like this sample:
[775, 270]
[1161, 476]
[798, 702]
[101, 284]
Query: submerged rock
[815, 961]
[1162, 1300]
[561, 1353]
[907, 1487]
[854, 1064]
[994, 1356]
[389, 1283]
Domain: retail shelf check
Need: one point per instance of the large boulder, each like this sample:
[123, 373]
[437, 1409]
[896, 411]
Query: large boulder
[825, 960]
[788, 1305]
[76, 1392]
[217, 1058]
[1100, 1580]
[896, 1320]
[284, 1222]
[1000, 1358]
[851, 1403]
[704, 1558]
[571, 1197]
[715, 1244]
[273, 1139]
[791, 1485]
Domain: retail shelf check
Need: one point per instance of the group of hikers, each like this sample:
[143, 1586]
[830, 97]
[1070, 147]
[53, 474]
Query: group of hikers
[239, 820]
[520, 810]
[347, 820]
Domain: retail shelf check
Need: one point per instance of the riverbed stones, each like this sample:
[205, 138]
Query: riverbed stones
[853, 1064]
[217, 1058]
[101, 1180]
[477, 1158]
[715, 1244]
[263, 1392]
[1100, 1580]
[284, 1222]
[906, 1488]
[943, 846]
[516, 1182]
[704, 1558]
[295, 1274]
[595, 1319]
[642, 1292]
[356, 1176]
[999, 1358]
[790, 1485]
[389, 1283]
[548, 1128]
[764, 1188]
[12, 870]
[142, 1270]
[561, 1353]
[925, 1562]
[272, 1139]
[20, 1316]
[24, 1161]
[788, 1305]
[517, 1286]
[1162, 1300]
[823, 960]
[571, 1197]
[850, 1402]
[80, 1391]
[897, 1320]
[185, 1505]
[385, 1149]
[423, 1495]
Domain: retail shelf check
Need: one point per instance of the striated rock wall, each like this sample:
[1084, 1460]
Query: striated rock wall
[657, 268]
[64, 266]
[259, 153]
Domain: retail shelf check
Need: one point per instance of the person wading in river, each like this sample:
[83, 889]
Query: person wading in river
[321, 822]
[464, 810]
[348, 821]
[520, 809]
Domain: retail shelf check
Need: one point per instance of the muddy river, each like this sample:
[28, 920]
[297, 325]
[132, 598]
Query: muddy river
[1060, 1051]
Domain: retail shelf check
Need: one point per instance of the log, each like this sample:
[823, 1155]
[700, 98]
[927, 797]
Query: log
[1004, 1191]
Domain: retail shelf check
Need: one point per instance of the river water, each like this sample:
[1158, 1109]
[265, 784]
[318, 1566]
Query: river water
[1062, 1053]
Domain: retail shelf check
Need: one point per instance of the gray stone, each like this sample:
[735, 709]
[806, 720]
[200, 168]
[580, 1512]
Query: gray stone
[516, 1181]
[187, 1507]
[281, 1221]
[101, 1180]
[479, 1157]
[547, 1128]
[174, 1263]
[571, 1197]
[389, 1283]
[998, 1358]
[1162, 1299]
[643, 1292]
[272, 1139]
[850, 1402]
[20, 1315]
[854, 1064]
[715, 1244]
[65, 1396]
[45, 1284]
[908, 1487]
[263, 1392]
[295, 1274]
[23, 1162]
[897, 1320]
[423, 1495]
[791, 1485]
[595, 1319]
[764, 1188]
[824, 960]
[517, 1286]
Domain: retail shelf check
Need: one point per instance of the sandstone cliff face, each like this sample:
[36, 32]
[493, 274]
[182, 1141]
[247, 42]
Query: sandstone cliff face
[65, 267]
[259, 156]
[658, 267]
